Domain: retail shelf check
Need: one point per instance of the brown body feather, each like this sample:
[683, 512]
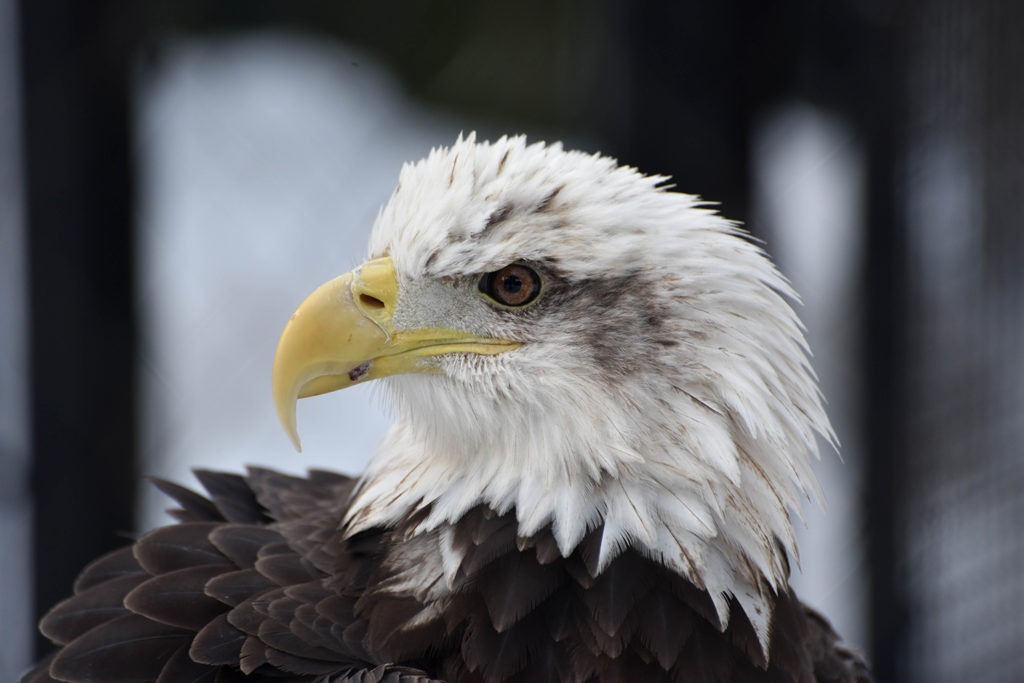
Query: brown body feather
[257, 584]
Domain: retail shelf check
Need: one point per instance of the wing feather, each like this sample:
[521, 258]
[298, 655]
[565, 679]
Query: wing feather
[664, 628]
[177, 598]
[181, 668]
[227, 592]
[127, 649]
[178, 547]
[82, 612]
[513, 588]
[241, 543]
[112, 565]
[233, 588]
[218, 643]
[193, 507]
[233, 497]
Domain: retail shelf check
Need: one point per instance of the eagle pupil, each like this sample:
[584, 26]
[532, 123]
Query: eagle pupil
[512, 284]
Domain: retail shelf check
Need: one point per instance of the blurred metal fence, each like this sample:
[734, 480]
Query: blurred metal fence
[962, 511]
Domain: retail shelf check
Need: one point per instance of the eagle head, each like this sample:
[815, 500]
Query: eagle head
[569, 339]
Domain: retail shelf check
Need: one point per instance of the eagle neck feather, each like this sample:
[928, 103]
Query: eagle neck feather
[684, 484]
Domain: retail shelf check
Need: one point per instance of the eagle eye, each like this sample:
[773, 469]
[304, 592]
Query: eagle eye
[514, 285]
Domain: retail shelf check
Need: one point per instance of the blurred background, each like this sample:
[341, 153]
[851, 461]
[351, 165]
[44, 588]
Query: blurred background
[176, 176]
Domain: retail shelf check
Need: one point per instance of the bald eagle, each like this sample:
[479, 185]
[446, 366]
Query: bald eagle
[606, 417]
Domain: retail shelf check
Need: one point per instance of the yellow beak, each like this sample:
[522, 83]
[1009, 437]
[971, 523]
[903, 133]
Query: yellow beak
[343, 334]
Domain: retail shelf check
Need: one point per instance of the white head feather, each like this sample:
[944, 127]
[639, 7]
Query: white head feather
[667, 394]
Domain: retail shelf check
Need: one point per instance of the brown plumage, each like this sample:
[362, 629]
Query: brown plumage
[257, 584]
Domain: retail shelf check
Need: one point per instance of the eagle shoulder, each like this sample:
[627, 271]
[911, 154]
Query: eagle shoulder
[257, 581]
[241, 585]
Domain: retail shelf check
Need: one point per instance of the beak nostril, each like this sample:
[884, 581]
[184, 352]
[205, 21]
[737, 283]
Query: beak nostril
[371, 302]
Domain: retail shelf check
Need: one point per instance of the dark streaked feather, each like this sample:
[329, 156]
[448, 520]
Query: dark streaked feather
[546, 548]
[319, 541]
[90, 608]
[560, 616]
[512, 588]
[127, 649]
[287, 497]
[193, 507]
[789, 639]
[833, 662]
[248, 615]
[694, 598]
[554, 662]
[218, 643]
[233, 496]
[617, 591]
[286, 569]
[480, 537]
[387, 674]
[664, 627]
[232, 588]
[252, 656]
[300, 664]
[706, 660]
[276, 631]
[339, 483]
[576, 568]
[499, 655]
[241, 543]
[613, 645]
[589, 549]
[40, 673]
[178, 547]
[180, 668]
[177, 598]
[338, 610]
[389, 637]
[311, 628]
[112, 565]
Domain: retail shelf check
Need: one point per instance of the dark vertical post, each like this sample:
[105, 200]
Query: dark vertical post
[886, 344]
[76, 63]
[688, 113]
